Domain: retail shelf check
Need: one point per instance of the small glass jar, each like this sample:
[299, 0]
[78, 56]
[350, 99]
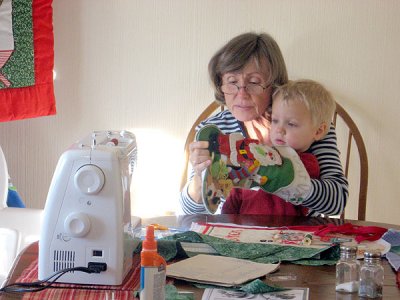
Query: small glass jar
[371, 276]
[347, 270]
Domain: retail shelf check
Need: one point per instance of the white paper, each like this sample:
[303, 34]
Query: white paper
[218, 270]
[198, 248]
[220, 294]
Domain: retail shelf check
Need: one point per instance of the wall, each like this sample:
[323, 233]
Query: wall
[142, 66]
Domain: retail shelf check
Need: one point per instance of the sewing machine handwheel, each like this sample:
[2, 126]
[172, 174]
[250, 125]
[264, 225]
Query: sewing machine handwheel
[89, 179]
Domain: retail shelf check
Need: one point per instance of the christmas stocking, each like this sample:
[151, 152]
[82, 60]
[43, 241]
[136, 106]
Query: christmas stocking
[246, 163]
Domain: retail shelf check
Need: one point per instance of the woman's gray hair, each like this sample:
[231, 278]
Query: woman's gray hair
[234, 55]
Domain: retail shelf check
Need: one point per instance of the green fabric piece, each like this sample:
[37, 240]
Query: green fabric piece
[167, 249]
[314, 262]
[187, 236]
[259, 287]
[170, 248]
[264, 253]
[325, 258]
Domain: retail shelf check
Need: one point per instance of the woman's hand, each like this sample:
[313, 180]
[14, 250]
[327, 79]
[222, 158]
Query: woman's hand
[199, 156]
[200, 159]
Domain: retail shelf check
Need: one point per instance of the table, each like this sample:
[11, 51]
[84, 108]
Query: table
[320, 280]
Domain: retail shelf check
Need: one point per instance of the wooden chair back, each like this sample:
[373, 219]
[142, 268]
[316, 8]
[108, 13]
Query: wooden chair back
[348, 135]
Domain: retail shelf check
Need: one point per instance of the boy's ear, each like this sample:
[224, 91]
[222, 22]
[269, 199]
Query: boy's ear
[321, 131]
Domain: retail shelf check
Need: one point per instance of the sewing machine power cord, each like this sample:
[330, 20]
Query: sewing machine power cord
[36, 286]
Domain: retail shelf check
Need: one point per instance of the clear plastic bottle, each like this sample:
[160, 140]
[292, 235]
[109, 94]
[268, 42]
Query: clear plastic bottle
[347, 270]
[153, 269]
[371, 276]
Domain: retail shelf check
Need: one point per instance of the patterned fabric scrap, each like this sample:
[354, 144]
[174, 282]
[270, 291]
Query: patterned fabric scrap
[26, 59]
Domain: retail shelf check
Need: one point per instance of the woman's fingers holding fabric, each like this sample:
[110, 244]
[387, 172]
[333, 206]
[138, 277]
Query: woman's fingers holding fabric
[200, 167]
[203, 145]
[198, 152]
[199, 156]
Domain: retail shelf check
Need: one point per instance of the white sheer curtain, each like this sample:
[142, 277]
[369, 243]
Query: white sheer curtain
[3, 180]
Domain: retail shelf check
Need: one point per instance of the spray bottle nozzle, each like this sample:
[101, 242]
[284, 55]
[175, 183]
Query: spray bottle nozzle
[149, 242]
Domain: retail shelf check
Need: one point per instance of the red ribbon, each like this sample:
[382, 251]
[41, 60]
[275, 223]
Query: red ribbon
[362, 233]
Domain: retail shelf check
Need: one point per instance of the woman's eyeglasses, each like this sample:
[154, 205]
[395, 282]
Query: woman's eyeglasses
[251, 88]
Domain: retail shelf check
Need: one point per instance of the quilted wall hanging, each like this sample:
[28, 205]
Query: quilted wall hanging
[26, 59]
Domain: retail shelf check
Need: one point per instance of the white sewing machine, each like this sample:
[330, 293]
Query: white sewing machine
[87, 213]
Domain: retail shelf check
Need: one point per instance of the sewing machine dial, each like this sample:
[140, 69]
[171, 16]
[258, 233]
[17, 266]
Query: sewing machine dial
[77, 224]
[89, 179]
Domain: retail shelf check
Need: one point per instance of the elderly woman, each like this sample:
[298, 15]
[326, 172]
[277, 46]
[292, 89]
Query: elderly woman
[244, 74]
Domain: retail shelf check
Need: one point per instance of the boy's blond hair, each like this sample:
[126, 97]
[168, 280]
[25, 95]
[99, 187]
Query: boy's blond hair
[314, 95]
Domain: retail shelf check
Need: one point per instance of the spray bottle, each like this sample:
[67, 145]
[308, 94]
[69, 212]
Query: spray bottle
[153, 269]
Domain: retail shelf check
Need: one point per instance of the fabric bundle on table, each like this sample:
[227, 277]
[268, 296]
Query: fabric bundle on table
[169, 247]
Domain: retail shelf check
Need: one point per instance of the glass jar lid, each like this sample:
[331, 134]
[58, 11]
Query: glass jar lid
[372, 254]
[347, 251]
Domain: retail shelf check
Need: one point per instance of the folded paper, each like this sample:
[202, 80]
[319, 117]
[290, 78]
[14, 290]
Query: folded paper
[208, 269]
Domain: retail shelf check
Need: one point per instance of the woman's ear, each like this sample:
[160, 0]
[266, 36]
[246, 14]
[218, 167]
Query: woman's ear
[321, 131]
